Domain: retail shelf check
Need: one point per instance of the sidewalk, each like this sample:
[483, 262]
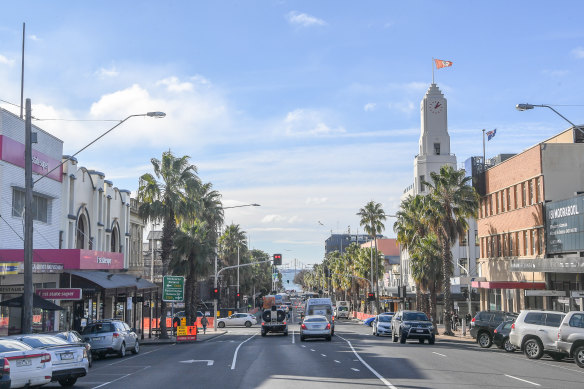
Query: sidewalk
[172, 339]
[458, 336]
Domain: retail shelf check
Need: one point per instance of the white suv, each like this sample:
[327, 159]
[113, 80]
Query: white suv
[536, 332]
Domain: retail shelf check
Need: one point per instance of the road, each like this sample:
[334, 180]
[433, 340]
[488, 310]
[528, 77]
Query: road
[354, 358]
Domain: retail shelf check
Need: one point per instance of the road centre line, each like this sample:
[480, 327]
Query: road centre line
[292, 336]
[337, 361]
[117, 379]
[354, 369]
[442, 355]
[312, 349]
[324, 355]
[386, 382]
[520, 379]
[236, 350]
[133, 357]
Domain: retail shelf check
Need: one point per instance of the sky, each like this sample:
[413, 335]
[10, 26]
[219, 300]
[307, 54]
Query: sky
[310, 109]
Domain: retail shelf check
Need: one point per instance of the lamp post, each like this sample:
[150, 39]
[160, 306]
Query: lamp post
[27, 305]
[526, 106]
[217, 274]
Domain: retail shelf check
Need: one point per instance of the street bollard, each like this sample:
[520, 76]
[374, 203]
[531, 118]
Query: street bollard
[463, 327]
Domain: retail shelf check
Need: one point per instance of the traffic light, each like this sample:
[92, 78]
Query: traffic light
[237, 295]
[215, 293]
[277, 259]
[370, 296]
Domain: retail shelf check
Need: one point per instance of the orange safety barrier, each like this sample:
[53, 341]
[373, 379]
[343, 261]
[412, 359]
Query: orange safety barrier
[361, 315]
[154, 322]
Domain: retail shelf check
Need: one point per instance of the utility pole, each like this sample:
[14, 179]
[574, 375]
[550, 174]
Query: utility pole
[27, 298]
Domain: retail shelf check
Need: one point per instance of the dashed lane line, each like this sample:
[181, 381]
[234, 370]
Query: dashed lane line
[521, 379]
[354, 369]
[337, 361]
[120, 378]
[324, 355]
[442, 355]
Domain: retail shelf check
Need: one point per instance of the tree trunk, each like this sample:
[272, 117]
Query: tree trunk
[418, 296]
[168, 231]
[433, 313]
[447, 269]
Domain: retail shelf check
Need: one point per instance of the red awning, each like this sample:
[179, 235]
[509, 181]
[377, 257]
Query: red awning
[508, 285]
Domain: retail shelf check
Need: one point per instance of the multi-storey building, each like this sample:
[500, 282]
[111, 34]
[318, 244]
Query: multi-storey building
[339, 242]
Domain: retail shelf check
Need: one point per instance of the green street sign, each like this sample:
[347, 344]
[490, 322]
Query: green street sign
[173, 288]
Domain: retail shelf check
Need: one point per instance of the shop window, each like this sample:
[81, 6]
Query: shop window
[40, 205]
[494, 299]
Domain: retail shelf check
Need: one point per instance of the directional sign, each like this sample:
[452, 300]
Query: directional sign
[173, 288]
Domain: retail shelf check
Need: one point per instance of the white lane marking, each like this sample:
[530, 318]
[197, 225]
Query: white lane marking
[215, 337]
[354, 369]
[337, 361]
[386, 382]
[324, 355]
[122, 377]
[304, 346]
[208, 361]
[236, 350]
[520, 379]
[442, 355]
[292, 337]
[129, 358]
[312, 349]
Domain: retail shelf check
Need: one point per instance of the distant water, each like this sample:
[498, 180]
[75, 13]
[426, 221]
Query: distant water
[288, 275]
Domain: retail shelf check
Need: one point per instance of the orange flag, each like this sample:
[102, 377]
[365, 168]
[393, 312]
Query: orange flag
[442, 64]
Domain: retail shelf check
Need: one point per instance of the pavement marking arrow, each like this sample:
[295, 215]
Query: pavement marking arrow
[209, 361]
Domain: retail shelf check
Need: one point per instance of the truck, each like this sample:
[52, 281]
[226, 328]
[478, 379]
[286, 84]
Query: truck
[274, 320]
[342, 310]
[571, 336]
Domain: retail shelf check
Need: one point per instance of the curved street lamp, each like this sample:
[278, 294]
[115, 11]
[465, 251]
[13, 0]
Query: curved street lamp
[527, 106]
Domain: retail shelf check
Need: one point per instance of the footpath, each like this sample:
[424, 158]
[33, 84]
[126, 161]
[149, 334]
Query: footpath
[172, 339]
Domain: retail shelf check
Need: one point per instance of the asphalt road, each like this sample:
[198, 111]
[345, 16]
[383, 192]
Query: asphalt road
[354, 358]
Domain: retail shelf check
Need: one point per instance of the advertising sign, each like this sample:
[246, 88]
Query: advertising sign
[565, 225]
[11, 289]
[60, 294]
[173, 288]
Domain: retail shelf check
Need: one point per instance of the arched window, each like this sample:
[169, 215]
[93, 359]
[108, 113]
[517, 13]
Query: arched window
[114, 240]
[81, 232]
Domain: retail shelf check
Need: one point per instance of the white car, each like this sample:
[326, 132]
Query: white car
[28, 367]
[237, 319]
[70, 361]
[382, 325]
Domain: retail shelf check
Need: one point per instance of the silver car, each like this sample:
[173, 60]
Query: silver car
[382, 325]
[315, 326]
[110, 337]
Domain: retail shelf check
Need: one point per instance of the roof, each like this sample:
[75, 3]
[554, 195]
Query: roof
[388, 246]
[113, 280]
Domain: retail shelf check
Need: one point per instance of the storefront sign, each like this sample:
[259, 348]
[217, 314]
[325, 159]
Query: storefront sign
[577, 294]
[7, 268]
[60, 294]
[548, 265]
[11, 289]
[173, 288]
[40, 267]
[551, 293]
[13, 152]
[565, 225]
[75, 259]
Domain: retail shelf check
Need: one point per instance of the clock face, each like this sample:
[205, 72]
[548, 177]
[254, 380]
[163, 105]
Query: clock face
[435, 106]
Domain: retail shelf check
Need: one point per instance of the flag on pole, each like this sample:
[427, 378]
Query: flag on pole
[491, 134]
[442, 64]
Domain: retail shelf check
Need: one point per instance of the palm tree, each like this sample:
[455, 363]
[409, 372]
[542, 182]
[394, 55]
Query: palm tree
[232, 242]
[426, 264]
[450, 202]
[372, 217]
[164, 197]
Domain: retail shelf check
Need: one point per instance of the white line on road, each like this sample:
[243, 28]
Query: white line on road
[520, 379]
[236, 350]
[442, 355]
[337, 361]
[354, 369]
[312, 349]
[122, 377]
[372, 370]
[292, 337]
[304, 346]
[132, 357]
[324, 355]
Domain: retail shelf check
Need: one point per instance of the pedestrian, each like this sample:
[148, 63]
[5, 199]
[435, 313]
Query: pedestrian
[204, 323]
[468, 319]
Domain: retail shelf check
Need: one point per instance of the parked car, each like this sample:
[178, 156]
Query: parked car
[28, 367]
[110, 337]
[369, 321]
[483, 325]
[412, 325]
[75, 337]
[237, 319]
[382, 325]
[501, 336]
[69, 359]
[4, 373]
[571, 336]
[535, 332]
[315, 326]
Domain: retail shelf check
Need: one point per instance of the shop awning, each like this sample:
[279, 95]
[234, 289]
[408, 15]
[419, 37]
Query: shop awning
[113, 280]
[37, 302]
[508, 285]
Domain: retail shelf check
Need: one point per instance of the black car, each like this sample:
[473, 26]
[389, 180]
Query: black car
[4, 374]
[483, 325]
[501, 336]
[412, 325]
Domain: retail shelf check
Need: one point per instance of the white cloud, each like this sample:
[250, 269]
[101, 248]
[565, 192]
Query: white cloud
[174, 85]
[304, 122]
[281, 219]
[304, 20]
[4, 60]
[370, 107]
[406, 107]
[33, 37]
[106, 73]
[578, 52]
[316, 200]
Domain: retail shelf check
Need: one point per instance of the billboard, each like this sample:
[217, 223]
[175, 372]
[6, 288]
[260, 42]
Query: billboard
[565, 225]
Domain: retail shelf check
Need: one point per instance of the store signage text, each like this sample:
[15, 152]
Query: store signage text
[60, 294]
[105, 260]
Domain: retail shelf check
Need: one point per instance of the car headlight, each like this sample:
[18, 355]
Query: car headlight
[85, 353]
[406, 326]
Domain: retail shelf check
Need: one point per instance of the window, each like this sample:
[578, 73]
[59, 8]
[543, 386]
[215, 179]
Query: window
[40, 205]
[515, 196]
[503, 208]
[533, 252]
[540, 240]
[523, 194]
[524, 242]
[530, 185]
[477, 242]
[516, 244]
[497, 209]
[511, 252]
[508, 199]
[490, 205]
[577, 320]
[436, 148]
[463, 241]
[535, 318]
[422, 186]
[553, 319]
[537, 189]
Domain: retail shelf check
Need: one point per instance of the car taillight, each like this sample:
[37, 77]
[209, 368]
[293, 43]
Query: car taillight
[495, 331]
[263, 323]
[284, 323]
[6, 368]
[303, 326]
[513, 326]
[46, 358]
[328, 326]
[116, 335]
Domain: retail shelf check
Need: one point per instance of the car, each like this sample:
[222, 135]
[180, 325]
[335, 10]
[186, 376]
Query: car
[74, 337]
[28, 367]
[535, 332]
[315, 326]
[4, 373]
[110, 336]
[382, 325]
[237, 319]
[321, 306]
[69, 359]
[369, 321]
[501, 336]
[483, 324]
[571, 336]
[274, 321]
[412, 325]
[342, 311]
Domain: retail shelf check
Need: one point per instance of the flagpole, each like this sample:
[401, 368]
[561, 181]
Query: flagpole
[484, 156]
[432, 70]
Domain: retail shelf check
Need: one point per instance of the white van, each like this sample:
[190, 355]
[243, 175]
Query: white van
[342, 310]
[321, 306]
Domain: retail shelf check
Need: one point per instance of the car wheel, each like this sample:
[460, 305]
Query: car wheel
[403, 338]
[263, 333]
[66, 382]
[328, 338]
[484, 340]
[507, 346]
[421, 341]
[579, 356]
[533, 349]
[136, 349]
[286, 333]
[122, 352]
[432, 340]
[248, 324]
[302, 338]
[394, 337]
[557, 356]
[221, 324]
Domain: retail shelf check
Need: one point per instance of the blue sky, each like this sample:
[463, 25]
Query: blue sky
[310, 109]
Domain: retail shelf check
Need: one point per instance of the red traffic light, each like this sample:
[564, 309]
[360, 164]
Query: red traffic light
[277, 259]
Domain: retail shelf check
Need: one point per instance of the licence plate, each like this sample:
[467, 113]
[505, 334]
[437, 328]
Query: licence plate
[66, 356]
[23, 362]
[98, 338]
[419, 330]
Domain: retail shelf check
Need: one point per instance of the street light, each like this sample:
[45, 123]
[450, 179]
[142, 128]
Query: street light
[28, 222]
[526, 106]
[216, 274]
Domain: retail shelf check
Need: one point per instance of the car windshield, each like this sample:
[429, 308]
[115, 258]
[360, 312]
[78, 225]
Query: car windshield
[43, 341]
[13, 345]
[319, 310]
[343, 309]
[98, 328]
[415, 316]
[384, 318]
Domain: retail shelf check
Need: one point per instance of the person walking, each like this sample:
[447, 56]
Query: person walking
[204, 323]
